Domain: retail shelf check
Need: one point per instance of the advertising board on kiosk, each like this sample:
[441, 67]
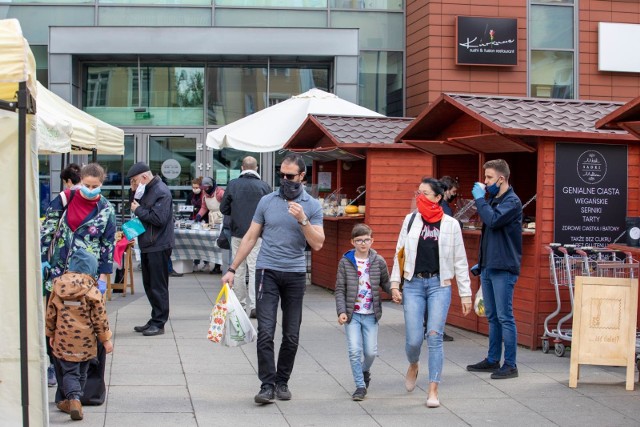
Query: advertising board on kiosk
[590, 194]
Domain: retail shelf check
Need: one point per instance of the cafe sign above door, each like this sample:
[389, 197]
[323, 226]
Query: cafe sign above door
[486, 41]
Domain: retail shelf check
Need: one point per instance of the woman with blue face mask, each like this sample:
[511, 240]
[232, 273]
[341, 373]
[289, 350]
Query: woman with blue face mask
[77, 218]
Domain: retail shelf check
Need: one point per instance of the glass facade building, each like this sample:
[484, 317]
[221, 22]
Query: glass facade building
[170, 71]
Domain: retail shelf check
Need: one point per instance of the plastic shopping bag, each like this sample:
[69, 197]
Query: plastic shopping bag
[133, 228]
[478, 305]
[219, 315]
[238, 329]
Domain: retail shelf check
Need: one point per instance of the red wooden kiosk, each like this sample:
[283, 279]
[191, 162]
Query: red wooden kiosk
[360, 151]
[464, 131]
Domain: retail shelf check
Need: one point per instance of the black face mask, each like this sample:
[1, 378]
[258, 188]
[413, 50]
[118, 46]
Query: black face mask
[452, 198]
[290, 190]
[209, 190]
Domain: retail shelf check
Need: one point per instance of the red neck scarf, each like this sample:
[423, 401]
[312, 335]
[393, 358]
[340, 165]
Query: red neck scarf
[431, 211]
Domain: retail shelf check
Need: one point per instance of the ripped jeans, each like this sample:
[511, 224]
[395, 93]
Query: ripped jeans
[417, 295]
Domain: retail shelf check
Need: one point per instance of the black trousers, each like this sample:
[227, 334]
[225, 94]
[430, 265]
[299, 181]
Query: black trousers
[155, 279]
[288, 288]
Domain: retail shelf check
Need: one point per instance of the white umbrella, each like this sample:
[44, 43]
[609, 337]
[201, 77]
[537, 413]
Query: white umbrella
[269, 129]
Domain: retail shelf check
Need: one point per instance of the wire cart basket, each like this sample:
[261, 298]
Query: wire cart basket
[567, 262]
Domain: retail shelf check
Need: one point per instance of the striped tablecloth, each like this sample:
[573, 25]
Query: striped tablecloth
[197, 244]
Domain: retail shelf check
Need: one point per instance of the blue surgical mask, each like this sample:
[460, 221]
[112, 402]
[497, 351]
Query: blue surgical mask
[90, 194]
[493, 189]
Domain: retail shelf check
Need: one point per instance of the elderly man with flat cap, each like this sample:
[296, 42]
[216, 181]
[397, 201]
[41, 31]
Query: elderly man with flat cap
[152, 204]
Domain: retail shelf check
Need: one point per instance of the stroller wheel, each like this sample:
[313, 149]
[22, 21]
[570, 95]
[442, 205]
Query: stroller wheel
[559, 349]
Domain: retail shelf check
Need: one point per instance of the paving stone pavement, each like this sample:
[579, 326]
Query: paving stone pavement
[182, 379]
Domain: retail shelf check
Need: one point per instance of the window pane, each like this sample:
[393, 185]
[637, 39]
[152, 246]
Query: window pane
[169, 95]
[552, 74]
[272, 3]
[180, 149]
[288, 81]
[367, 4]
[553, 1]
[551, 27]
[270, 18]
[41, 17]
[40, 54]
[381, 82]
[158, 2]
[378, 30]
[155, 16]
[235, 92]
[45, 182]
[112, 186]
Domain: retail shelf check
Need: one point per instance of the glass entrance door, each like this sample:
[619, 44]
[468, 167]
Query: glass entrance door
[177, 159]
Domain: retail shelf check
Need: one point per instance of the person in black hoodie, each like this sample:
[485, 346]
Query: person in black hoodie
[239, 202]
[153, 204]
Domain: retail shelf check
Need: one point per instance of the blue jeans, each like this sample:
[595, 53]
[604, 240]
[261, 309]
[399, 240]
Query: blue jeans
[497, 290]
[419, 295]
[74, 377]
[362, 342]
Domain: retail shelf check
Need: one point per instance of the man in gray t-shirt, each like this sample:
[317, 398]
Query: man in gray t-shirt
[286, 220]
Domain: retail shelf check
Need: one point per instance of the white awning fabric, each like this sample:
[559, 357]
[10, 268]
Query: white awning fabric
[17, 63]
[87, 132]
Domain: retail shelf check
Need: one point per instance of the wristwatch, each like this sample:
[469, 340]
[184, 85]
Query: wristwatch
[304, 222]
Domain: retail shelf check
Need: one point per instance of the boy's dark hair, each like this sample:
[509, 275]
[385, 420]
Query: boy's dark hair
[361, 230]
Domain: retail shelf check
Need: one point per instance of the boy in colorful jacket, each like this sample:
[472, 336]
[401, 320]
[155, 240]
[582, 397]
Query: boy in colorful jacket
[76, 314]
[361, 274]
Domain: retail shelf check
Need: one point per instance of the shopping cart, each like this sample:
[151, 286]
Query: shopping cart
[565, 263]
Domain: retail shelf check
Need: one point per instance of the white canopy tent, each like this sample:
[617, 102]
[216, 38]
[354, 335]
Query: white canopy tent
[88, 133]
[23, 392]
[269, 129]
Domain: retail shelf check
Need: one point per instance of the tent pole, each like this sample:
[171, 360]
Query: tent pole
[23, 95]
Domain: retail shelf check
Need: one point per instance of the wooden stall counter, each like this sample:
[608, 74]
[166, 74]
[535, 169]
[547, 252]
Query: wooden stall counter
[337, 241]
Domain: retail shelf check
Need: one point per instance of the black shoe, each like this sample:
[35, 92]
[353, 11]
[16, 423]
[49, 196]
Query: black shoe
[283, 392]
[175, 274]
[507, 371]
[266, 394]
[367, 378]
[152, 331]
[359, 394]
[141, 328]
[216, 271]
[484, 366]
[446, 337]
[252, 315]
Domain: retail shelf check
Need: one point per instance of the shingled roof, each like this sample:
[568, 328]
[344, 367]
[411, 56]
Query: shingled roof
[515, 116]
[362, 130]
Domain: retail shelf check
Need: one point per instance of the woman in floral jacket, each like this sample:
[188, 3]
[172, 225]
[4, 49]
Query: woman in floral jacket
[79, 219]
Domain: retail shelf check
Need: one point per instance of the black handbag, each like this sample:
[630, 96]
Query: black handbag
[223, 241]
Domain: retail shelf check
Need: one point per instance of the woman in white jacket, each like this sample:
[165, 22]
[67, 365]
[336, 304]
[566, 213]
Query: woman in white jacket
[434, 254]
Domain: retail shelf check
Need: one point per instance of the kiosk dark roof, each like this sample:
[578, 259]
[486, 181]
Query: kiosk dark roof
[626, 117]
[506, 124]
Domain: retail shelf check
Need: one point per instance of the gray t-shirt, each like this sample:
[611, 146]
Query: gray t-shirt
[283, 242]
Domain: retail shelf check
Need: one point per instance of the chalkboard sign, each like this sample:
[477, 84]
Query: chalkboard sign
[486, 41]
[590, 194]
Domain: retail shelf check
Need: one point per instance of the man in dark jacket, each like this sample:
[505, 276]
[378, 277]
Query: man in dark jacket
[153, 205]
[499, 263]
[239, 202]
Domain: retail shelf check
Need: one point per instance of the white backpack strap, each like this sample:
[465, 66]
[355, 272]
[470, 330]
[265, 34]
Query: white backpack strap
[63, 197]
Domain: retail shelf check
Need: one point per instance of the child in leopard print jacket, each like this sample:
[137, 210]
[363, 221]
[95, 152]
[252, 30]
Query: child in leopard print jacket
[76, 314]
